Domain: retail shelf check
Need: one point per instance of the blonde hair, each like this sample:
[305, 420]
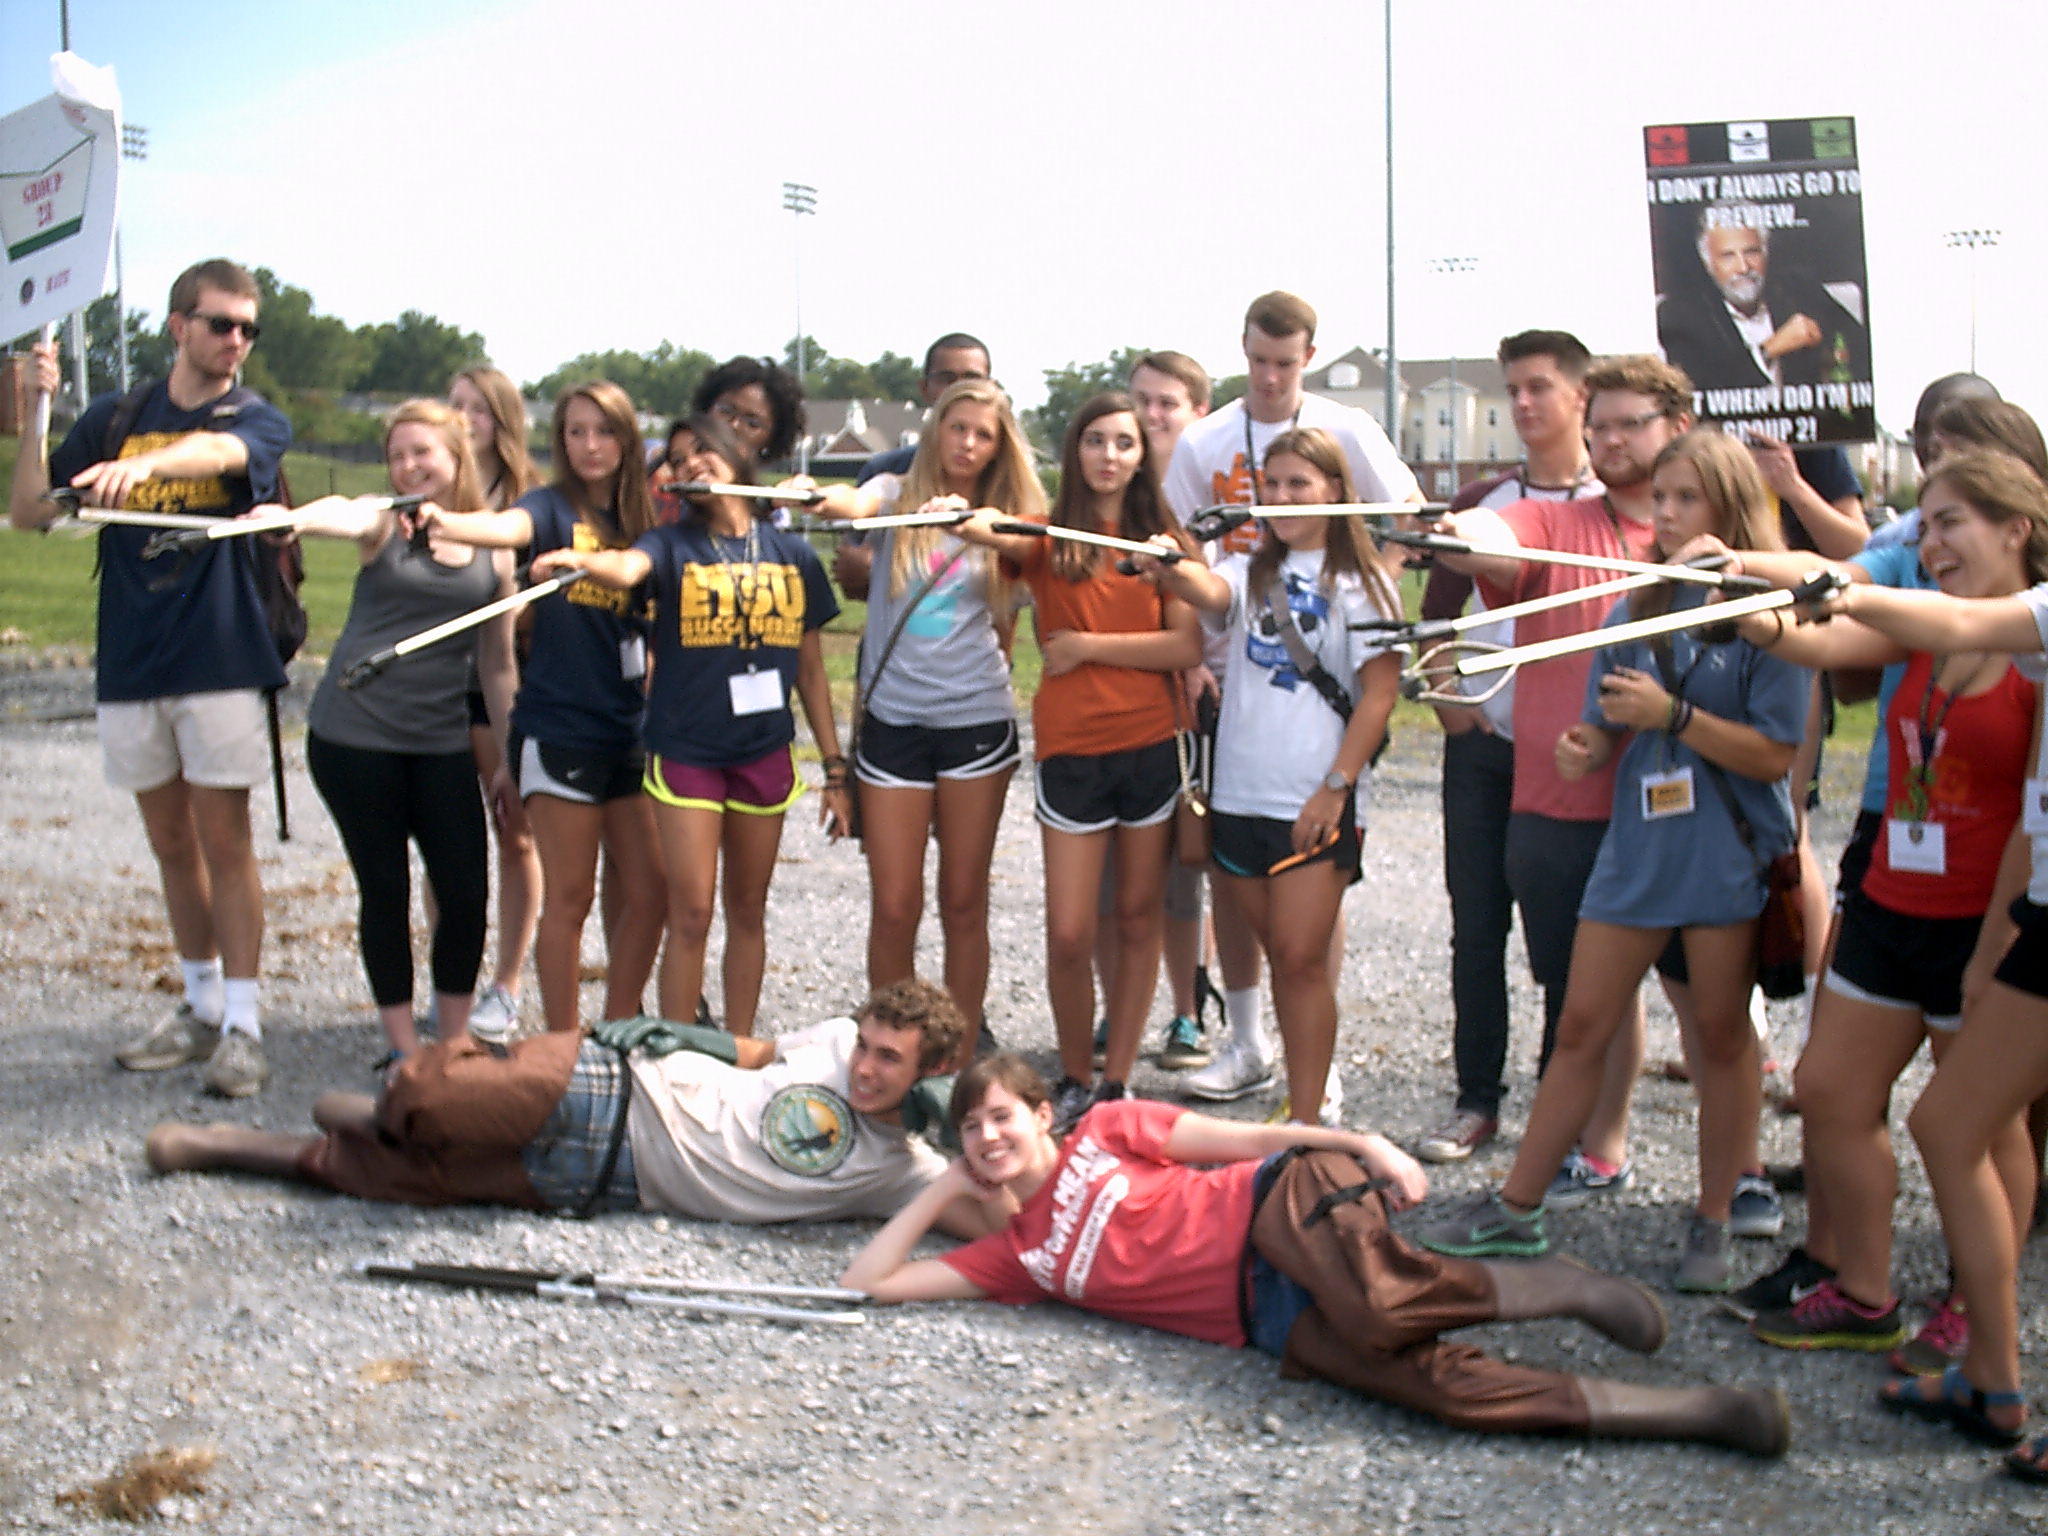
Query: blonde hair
[507, 447]
[631, 502]
[1348, 550]
[452, 427]
[1009, 483]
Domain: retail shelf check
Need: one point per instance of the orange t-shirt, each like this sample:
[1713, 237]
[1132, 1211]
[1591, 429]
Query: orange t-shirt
[1095, 709]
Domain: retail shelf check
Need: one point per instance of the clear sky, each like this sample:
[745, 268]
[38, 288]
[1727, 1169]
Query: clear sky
[1062, 178]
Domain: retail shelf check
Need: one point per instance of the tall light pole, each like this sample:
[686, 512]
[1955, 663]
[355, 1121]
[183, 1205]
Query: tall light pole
[1393, 356]
[800, 200]
[1453, 266]
[134, 146]
[1973, 240]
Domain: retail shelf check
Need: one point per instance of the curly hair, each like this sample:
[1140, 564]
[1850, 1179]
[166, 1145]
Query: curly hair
[914, 1003]
[785, 392]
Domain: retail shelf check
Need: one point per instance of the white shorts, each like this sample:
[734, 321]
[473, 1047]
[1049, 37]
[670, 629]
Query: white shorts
[214, 740]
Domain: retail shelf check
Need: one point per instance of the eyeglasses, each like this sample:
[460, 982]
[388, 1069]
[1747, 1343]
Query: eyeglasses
[733, 416]
[1623, 426]
[222, 325]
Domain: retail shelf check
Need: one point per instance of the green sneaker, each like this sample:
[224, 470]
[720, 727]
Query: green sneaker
[1484, 1228]
[1185, 1046]
[180, 1038]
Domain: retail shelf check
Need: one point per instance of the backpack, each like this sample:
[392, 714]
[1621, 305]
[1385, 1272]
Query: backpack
[280, 564]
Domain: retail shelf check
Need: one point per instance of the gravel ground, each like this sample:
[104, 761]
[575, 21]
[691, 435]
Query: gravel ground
[138, 1313]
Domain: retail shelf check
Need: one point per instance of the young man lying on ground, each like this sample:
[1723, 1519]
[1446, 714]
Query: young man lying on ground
[816, 1125]
[1284, 1247]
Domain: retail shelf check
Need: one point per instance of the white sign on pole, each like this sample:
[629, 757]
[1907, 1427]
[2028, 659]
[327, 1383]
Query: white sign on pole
[60, 185]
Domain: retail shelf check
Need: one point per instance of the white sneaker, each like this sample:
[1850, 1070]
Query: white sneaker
[1241, 1067]
[1333, 1101]
[494, 1016]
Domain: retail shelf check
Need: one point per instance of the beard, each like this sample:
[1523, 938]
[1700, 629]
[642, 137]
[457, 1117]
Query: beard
[1744, 291]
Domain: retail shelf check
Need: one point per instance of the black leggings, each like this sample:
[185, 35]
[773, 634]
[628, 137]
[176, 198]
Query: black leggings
[379, 801]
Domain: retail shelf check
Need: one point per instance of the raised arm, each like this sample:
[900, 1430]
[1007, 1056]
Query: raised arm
[1934, 621]
[1198, 1138]
[25, 505]
[620, 569]
[1484, 529]
[978, 530]
[885, 1269]
[509, 529]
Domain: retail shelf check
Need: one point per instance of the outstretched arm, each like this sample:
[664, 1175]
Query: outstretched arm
[1198, 1138]
[620, 569]
[1934, 621]
[884, 1268]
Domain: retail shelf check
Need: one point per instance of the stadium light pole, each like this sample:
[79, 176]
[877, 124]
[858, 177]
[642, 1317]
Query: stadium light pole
[800, 200]
[1453, 266]
[134, 146]
[1393, 356]
[1973, 240]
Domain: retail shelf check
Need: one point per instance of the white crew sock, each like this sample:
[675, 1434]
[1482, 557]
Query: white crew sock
[203, 989]
[240, 1012]
[1241, 1010]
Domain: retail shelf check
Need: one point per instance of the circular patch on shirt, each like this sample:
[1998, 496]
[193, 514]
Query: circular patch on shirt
[808, 1129]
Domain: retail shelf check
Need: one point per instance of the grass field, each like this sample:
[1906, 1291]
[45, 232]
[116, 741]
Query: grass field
[46, 598]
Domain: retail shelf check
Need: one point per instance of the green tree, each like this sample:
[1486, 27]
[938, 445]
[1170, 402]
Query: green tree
[301, 349]
[149, 351]
[897, 378]
[661, 381]
[415, 355]
[1066, 388]
[1226, 390]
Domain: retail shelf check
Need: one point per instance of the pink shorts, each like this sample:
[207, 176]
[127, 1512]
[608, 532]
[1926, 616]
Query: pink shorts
[767, 786]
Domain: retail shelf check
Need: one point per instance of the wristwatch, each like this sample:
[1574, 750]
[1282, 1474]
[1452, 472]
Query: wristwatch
[1335, 782]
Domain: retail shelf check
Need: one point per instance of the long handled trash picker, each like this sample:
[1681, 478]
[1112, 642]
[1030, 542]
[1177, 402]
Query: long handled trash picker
[951, 518]
[638, 1291]
[185, 539]
[1472, 658]
[1402, 632]
[1443, 544]
[1213, 522]
[808, 498]
[377, 661]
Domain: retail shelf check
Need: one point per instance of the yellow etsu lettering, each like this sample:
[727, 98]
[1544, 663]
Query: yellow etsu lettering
[205, 495]
[715, 595]
[588, 594]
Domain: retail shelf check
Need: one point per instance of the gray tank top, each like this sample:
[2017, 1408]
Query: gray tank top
[420, 702]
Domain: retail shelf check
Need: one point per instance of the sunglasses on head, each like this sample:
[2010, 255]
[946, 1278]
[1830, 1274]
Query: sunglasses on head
[223, 325]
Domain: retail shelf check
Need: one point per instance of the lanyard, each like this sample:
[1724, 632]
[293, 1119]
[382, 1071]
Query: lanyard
[1251, 462]
[745, 578]
[1920, 775]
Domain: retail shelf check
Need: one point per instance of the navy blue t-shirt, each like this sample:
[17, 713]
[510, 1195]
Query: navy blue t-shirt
[721, 611]
[584, 678]
[205, 631]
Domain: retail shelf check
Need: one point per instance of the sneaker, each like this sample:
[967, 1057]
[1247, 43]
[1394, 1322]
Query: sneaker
[181, 1037]
[1101, 1042]
[985, 1043]
[1826, 1319]
[1579, 1181]
[1239, 1069]
[1780, 1290]
[1071, 1099]
[1756, 1210]
[1483, 1228]
[236, 1068]
[1185, 1047]
[1705, 1268]
[495, 1015]
[1938, 1345]
[1458, 1137]
[1330, 1116]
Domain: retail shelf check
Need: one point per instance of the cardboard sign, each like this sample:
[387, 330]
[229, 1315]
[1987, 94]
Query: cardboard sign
[1756, 233]
[60, 185]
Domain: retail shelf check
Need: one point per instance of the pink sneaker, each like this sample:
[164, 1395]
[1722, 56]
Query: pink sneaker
[1939, 1343]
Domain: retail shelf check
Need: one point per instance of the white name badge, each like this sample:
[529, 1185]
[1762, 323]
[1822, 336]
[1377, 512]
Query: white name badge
[632, 658]
[755, 693]
[1916, 847]
[1667, 794]
[2034, 807]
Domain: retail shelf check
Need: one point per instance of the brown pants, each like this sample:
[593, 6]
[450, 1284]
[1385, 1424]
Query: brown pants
[1381, 1301]
[451, 1125]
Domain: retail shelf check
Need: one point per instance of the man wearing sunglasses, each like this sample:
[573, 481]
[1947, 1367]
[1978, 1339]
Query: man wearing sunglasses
[185, 653]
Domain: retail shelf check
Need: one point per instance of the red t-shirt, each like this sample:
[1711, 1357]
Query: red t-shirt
[1095, 709]
[1119, 1230]
[1981, 753]
[1551, 695]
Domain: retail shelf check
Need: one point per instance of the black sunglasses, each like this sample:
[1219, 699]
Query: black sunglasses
[221, 325]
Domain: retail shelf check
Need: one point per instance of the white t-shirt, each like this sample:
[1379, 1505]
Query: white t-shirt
[1277, 736]
[1210, 469]
[2036, 667]
[722, 1143]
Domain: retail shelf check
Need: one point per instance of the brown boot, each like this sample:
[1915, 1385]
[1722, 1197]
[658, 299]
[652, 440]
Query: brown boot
[1623, 1310]
[1758, 1421]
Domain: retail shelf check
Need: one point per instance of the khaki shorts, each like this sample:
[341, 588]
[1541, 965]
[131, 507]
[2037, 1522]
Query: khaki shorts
[213, 740]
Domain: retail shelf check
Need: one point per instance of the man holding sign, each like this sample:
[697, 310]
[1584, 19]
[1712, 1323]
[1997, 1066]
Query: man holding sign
[184, 663]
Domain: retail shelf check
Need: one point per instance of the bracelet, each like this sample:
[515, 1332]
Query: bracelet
[1681, 717]
[834, 761]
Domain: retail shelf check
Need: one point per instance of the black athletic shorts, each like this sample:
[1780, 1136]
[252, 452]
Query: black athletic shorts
[1112, 789]
[1896, 961]
[1252, 845]
[569, 773]
[918, 756]
[2025, 966]
[1856, 854]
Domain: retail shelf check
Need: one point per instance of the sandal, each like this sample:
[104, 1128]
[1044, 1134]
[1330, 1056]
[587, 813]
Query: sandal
[2029, 1462]
[1937, 1400]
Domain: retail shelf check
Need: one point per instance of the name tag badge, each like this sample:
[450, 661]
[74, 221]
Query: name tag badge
[1667, 794]
[632, 658]
[1917, 847]
[755, 693]
[2034, 807]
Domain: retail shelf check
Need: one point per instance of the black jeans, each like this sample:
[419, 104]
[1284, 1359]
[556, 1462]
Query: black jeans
[1548, 864]
[382, 800]
[1478, 785]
